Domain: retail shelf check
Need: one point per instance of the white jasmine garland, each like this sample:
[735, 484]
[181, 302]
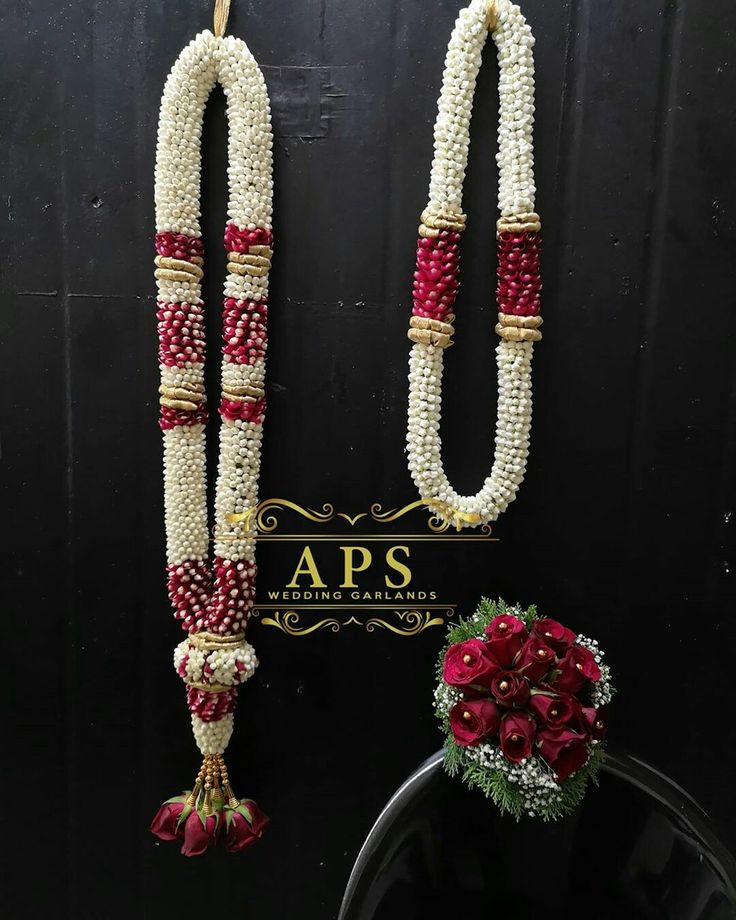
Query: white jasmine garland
[432, 327]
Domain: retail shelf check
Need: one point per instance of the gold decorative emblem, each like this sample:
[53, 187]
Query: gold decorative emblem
[410, 622]
[308, 603]
[264, 521]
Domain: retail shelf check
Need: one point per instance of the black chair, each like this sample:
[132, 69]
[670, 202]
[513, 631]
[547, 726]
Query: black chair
[638, 848]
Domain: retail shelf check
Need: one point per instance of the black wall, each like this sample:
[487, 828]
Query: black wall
[624, 527]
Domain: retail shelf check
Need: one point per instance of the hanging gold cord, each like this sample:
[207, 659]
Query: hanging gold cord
[492, 16]
[222, 11]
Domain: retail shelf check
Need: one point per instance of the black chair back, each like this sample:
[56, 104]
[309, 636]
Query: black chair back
[639, 848]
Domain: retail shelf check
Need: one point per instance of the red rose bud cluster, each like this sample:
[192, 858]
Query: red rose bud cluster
[238, 826]
[240, 240]
[179, 246]
[189, 592]
[519, 284]
[435, 280]
[244, 330]
[245, 411]
[527, 690]
[181, 336]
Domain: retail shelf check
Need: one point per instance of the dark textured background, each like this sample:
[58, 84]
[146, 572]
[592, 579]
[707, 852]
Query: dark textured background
[624, 527]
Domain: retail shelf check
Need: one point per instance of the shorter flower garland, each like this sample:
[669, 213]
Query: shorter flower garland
[436, 278]
[523, 701]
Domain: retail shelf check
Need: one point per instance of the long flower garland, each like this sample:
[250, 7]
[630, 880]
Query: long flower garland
[212, 597]
[436, 278]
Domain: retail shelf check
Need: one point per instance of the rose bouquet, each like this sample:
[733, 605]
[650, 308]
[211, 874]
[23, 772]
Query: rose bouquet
[522, 700]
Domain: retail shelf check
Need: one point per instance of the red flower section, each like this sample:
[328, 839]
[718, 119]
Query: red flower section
[200, 833]
[246, 411]
[173, 418]
[553, 710]
[506, 635]
[189, 588]
[535, 660]
[245, 825]
[518, 731]
[166, 824]
[244, 330]
[510, 690]
[554, 634]
[199, 823]
[532, 693]
[211, 707]
[469, 664]
[436, 278]
[233, 595]
[180, 333]
[179, 246]
[564, 751]
[596, 721]
[237, 240]
[519, 284]
[474, 720]
[576, 669]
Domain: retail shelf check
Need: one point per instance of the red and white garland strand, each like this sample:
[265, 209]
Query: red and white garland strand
[212, 598]
[436, 277]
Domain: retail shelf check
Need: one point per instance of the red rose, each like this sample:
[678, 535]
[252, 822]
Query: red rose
[517, 736]
[535, 659]
[563, 750]
[552, 710]
[199, 833]
[510, 689]
[468, 664]
[166, 825]
[245, 825]
[557, 636]
[595, 721]
[575, 668]
[506, 635]
[473, 720]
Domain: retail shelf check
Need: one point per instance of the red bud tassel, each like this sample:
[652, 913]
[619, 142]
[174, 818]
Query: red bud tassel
[199, 818]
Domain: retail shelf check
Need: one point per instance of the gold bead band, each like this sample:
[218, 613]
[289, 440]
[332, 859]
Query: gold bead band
[251, 258]
[184, 404]
[256, 262]
[237, 397]
[436, 325]
[429, 337]
[190, 394]
[245, 390]
[168, 269]
[525, 322]
[519, 223]
[440, 221]
[209, 642]
[518, 334]
[208, 688]
[179, 265]
[256, 271]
